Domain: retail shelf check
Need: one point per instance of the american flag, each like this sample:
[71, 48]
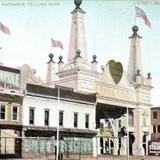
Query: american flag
[55, 43]
[141, 14]
[4, 29]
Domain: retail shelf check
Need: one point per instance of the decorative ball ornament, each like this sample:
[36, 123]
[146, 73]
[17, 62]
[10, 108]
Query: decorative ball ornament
[94, 57]
[135, 29]
[51, 56]
[77, 3]
[78, 52]
[60, 57]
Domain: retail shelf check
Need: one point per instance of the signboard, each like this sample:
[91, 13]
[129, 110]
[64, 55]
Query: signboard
[154, 148]
[9, 78]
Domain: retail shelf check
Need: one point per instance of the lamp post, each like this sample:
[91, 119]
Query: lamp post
[127, 134]
[57, 150]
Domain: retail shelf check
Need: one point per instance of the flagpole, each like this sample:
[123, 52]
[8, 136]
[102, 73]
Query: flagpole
[134, 14]
[50, 49]
[93, 44]
[57, 150]
[148, 62]
[0, 59]
[127, 135]
[135, 20]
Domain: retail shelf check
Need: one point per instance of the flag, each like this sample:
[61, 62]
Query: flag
[55, 43]
[4, 29]
[141, 14]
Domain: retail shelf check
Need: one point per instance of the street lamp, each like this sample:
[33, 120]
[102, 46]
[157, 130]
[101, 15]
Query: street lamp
[57, 150]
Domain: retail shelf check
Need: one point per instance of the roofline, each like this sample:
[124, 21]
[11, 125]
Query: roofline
[5, 68]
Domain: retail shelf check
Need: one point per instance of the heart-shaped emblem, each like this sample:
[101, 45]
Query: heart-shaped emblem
[116, 70]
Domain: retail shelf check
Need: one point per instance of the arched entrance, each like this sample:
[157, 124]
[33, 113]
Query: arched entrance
[110, 115]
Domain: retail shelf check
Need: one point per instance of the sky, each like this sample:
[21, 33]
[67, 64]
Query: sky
[108, 25]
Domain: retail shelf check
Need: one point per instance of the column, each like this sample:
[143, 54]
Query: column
[115, 140]
[95, 146]
[123, 150]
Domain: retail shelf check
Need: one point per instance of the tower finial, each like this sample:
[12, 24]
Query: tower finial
[77, 3]
[135, 30]
[51, 55]
[60, 59]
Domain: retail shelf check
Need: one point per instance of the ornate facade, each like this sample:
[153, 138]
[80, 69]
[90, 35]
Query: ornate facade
[116, 97]
[122, 96]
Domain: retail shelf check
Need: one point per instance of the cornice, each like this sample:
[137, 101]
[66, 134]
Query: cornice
[67, 72]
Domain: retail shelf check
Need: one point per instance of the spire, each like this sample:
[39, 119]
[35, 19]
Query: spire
[77, 35]
[135, 61]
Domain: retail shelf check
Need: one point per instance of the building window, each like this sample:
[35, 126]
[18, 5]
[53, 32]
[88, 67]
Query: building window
[61, 118]
[46, 117]
[87, 121]
[158, 128]
[31, 115]
[155, 115]
[15, 113]
[154, 129]
[2, 111]
[75, 120]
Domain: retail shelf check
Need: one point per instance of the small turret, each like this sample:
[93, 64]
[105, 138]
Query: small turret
[60, 64]
[94, 63]
[51, 70]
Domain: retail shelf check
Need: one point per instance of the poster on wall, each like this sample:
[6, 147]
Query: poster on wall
[9, 78]
[154, 148]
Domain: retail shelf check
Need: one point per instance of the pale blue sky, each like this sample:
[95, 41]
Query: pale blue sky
[33, 22]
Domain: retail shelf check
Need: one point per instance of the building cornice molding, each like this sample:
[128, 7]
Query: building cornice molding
[56, 98]
[67, 72]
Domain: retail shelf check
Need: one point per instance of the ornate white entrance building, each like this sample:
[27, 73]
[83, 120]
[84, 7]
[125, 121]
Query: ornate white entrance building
[114, 99]
[123, 97]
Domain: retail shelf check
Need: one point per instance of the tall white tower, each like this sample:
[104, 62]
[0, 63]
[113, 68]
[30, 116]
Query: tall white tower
[78, 73]
[135, 60]
[77, 35]
[143, 86]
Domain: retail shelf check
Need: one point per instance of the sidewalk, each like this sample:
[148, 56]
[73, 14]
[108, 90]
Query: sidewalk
[105, 157]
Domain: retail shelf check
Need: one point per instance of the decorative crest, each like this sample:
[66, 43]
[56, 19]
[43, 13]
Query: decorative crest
[116, 70]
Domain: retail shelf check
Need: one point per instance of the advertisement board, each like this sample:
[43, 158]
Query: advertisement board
[9, 78]
[154, 148]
